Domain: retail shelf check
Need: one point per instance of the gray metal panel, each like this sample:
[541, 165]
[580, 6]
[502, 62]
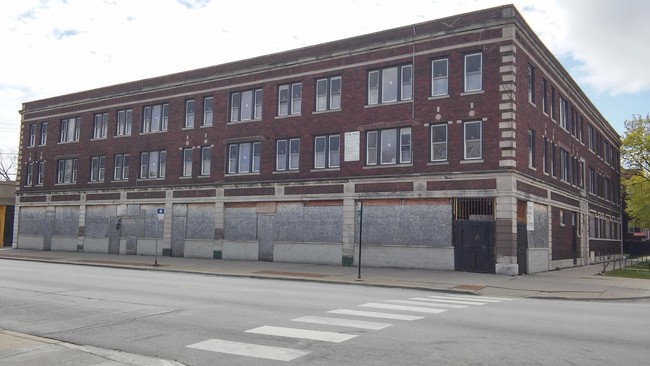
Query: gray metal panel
[66, 221]
[538, 238]
[31, 220]
[296, 223]
[97, 220]
[240, 223]
[265, 235]
[178, 236]
[200, 221]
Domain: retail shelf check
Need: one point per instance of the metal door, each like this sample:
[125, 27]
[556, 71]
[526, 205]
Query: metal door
[474, 243]
[522, 247]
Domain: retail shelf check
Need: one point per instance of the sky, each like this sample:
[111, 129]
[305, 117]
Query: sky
[56, 47]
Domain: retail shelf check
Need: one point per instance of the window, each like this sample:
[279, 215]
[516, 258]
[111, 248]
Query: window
[531, 148]
[439, 77]
[121, 171]
[66, 171]
[473, 140]
[564, 110]
[43, 133]
[327, 151]
[187, 162]
[208, 111]
[152, 164]
[30, 169]
[287, 154]
[32, 135]
[591, 141]
[69, 130]
[473, 72]
[564, 165]
[97, 168]
[155, 118]
[124, 122]
[206, 159]
[562, 217]
[581, 173]
[40, 173]
[580, 128]
[544, 91]
[189, 113]
[328, 93]
[289, 99]
[246, 105]
[592, 181]
[553, 165]
[545, 155]
[392, 146]
[390, 85]
[531, 84]
[100, 126]
[552, 102]
[244, 158]
[439, 142]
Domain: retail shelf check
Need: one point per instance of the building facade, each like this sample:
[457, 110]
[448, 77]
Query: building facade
[7, 201]
[455, 144]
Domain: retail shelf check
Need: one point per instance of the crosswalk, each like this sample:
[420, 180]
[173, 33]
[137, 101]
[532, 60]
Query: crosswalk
[412, 309]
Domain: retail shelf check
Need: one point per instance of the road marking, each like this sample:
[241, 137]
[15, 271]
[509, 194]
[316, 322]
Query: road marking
[455, 302]
[373, 314]
[476, 298]
[342, 322]
[315, 335]
[431, 302]
[481, 298]
[405, 308]
[249, 349]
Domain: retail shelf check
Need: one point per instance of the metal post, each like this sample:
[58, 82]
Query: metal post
[360, 210]
[156, 250]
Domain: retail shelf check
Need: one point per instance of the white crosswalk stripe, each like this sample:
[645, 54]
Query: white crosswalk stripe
[482, 298]
[475, 298]
[459, 302]
[402, 307]
[249, 349]
[374, 314]
[315, 335]
[342, 322]
[427, 302]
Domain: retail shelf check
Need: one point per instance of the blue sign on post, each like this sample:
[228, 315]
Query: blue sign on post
[161, 214]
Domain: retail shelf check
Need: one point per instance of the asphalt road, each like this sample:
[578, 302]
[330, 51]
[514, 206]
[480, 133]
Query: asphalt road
[208, 320]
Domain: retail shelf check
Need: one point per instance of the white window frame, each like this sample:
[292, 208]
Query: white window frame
[153, 164]
[97, 167]
[466, 140]
[391, 146]
[531, 148]
[187, 162]
[32, 135]
[440, 81]
[100, 126]
[43, 140]
[155, 118]
[564, 165]
[29, 175]
[208, 111]
[124, 122]
[66, 172]
[287, 154]
[40, 174]
[471, 76]
[328, 93]
[289, 99]
[531, 84]
[70, 130]
[121, 167]
[379, 83]
[206, 160]
[240, 112]
[244, 158]
[438, 144]
[563, 113]
[327, 152]
[189, 113]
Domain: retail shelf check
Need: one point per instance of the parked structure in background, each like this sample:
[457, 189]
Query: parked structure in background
[468, 143]
[7, 205]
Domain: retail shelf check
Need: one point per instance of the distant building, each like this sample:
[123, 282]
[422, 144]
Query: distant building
[467, 143]
[7, 204]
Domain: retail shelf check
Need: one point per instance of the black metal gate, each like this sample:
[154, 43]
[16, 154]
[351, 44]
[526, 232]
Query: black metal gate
[522, 247]
[474, 243]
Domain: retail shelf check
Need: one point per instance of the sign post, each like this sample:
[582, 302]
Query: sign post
[360, 213]
[161, 217]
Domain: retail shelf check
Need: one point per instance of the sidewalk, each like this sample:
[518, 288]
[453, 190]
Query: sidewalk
[584, 283]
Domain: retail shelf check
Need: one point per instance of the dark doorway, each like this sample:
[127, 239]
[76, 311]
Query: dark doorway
[474, 243]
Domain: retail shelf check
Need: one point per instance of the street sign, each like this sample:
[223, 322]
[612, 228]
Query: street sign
[161, 214]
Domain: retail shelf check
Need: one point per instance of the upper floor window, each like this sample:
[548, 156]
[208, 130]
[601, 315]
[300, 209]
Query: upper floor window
[545, 155]
[439, 142]
[564, 165]
[564, 111]
[531, 148]
[97, 164]
[390, 146]
[552, 102]
[124, 122]
[208, 111]
[287, 154]
[66, 171]
[591, 138]
[187, 162]
[40, 173]
[328, 93]
[246, 105]
[121, 167]
[29, 175]
[43, 133]
[544, 91]
[189, 113]
[390, 84]
[152, 164]
[100, 126]
[592, 181]
[473, 140]
[70, 129]
[32, 135]
[531, 84]
[289, 99]
[473, 72]
[439, 77]
[327, 151]
[244, 157]
[206, 160]
[155, 118]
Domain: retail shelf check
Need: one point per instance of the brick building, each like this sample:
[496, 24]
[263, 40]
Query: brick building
[459, 143]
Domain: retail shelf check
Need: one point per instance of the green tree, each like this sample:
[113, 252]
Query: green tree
[635, 155]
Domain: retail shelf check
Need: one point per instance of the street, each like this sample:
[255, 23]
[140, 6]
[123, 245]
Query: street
[211, 320]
